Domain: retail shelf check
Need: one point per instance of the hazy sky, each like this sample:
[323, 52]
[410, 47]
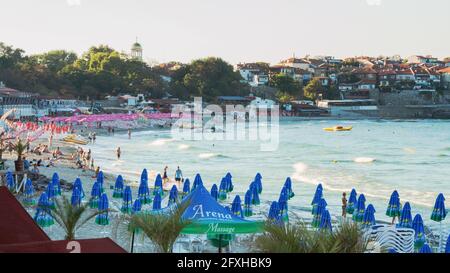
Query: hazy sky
[236, 30]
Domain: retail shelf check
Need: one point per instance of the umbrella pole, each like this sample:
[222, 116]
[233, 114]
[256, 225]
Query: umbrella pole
[220, 243]
[440, 236]
[132, 242]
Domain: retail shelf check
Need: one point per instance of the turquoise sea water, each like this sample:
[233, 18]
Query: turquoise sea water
[375, 158]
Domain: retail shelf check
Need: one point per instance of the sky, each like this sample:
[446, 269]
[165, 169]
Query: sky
[235, 30]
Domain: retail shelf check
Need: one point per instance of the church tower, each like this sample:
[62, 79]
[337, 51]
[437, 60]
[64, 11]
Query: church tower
[136, 51]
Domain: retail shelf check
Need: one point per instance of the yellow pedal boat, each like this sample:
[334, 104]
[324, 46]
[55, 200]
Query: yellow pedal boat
[75, 139]
[338, 129]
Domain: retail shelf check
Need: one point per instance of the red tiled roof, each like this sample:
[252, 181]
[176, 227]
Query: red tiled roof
[445, 70]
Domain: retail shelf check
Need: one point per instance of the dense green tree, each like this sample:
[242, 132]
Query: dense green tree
[286, 84]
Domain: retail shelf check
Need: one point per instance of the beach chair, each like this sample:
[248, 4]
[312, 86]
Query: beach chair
[399, 239]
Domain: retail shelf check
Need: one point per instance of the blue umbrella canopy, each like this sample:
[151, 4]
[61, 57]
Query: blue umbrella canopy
[157, 201]
[51, 194]
[186, 187]
[369, 216]
[209, 217]
[316, 199]
[248, 204]
[393, 209]
[325, 221]
[447, 245]
[75, 200]
[258, 176]
[103, 206]
[144, 176]
[29, 194]
[405, 216]
[223, 189]
[236, 207]
[214, 192]
[321, 207]
[95, 195]
[56, 184]
[10, 181]
[360, 208]
[127, 200]
[158, 184]
[137, 206]
[144, 192]
[197, 181]
[288, 185]
[79, 185]
[43, 215]
[255, 194]
[230, 185]
[274, 212]
[118, 187]
[425, 249]
[173, 195]
[283, 203]
[258, 185]
[439, 213]
[351, 202]
[419, 237]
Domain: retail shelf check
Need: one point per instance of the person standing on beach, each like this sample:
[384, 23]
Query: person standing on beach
[112, 130]
[93, 137]
[165, 177]
[129, 133]
[178, 175]
[118, 153]
[344, 205]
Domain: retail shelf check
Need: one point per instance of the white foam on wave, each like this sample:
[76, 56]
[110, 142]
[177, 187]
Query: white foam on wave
[207, 155]
[161, 141]
[183, 147]
[364, 160]
[409, 150]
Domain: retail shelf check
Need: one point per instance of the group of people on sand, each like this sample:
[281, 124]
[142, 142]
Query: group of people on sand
[83, 159]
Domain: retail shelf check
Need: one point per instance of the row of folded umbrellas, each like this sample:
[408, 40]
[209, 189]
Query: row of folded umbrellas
[278, 211]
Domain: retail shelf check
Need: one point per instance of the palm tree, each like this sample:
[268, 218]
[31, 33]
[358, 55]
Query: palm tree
[70, 217]
[297, 238]
[161, 229]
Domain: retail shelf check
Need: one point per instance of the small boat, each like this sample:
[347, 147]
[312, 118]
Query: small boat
[75, 139]
[338, 129]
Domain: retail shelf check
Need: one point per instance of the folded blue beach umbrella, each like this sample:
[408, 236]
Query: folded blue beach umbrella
[351, 202]
[29, 194]
[51, 194]
[447, 245]
[103, 206]
[258, 176]
[43, 215]
[360, 208]
[255, 194]
[223, 189]
[144, 176]
[230, 185]
[75, 199]
[214, 192]
[158, 185]
[321, 207]
[10, 181]
[56, 184]
[197, 181]
[393, 210]
[405, 216]
[79, 185]
[288, 185]
[283, 204]
[425, 249]
[274, 213]
[100, 177]
[248, 204]
[236, 207]
[369, 216]
[157, 201]
[137, 206]
[96, 193]
[144, 192]
[316, 199]
[439, 213]
[419, 237]
[118, 187]
[325, 221]
[127, 200]
[186, 187]
[258, 184]
[173, 195]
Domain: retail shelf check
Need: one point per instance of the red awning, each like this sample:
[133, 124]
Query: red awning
[16, 225]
